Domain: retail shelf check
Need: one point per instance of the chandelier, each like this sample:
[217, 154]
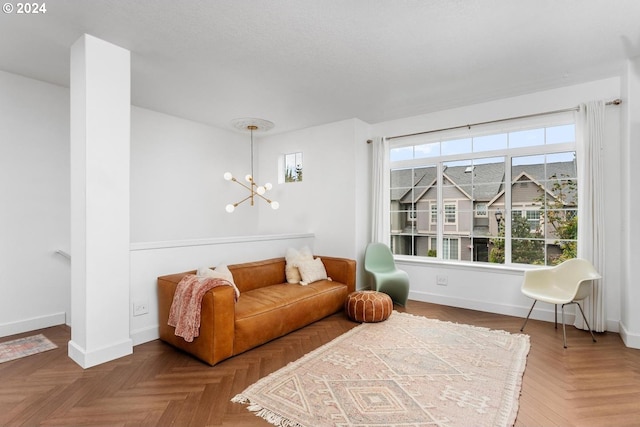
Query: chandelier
[255, 190]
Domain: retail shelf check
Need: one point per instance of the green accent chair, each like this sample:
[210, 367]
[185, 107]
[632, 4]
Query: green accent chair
[380, 266]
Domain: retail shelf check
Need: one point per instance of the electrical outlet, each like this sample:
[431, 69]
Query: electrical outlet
[140, 307]
[442, 280]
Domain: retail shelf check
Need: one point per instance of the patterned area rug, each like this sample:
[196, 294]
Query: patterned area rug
[11, 350]
[405, 371]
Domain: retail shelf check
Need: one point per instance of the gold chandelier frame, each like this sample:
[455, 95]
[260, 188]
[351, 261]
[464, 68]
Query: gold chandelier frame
[255, 190]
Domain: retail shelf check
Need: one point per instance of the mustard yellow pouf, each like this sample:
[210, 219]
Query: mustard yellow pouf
[368, 306]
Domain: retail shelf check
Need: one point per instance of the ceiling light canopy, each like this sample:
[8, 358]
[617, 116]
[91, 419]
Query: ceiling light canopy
[250, 123]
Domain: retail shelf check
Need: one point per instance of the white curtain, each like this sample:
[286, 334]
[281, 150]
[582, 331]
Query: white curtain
[590, 143]
[380, 197]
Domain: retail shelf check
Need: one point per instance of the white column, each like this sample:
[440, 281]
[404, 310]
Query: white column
[630, 291]
[100, 139]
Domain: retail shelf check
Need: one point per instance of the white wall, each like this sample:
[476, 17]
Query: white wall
[177, 188]
[492, 289]
[628, 227]
[177, 193]
[34, 213]
[178, 199]
[325, 201]
[175, 163]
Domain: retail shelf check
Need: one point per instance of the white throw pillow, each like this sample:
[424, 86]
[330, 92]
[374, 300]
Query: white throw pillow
[312, 271]
[220, 272]
[293, 257]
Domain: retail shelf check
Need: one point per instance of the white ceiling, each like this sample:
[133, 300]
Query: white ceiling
[300, 63]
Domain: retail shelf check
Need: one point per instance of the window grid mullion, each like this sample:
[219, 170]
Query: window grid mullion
[507, 209]
[440, 222]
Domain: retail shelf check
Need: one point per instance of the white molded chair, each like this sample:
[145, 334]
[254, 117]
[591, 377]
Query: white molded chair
[566, 283]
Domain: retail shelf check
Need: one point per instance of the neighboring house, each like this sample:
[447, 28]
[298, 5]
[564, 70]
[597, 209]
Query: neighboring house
[473, 207]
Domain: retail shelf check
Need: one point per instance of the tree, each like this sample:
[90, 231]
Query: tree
[526, 247]
[559, 213]
[298, 172]
[293, 174]
[496, 254]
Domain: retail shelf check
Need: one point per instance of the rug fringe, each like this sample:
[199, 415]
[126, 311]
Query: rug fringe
[509, 413]
[267, 415]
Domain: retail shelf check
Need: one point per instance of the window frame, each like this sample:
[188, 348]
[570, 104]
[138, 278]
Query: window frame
[433, 213]
[531, 221]
[485, 211]
[411, 213]
[447, 249]
[448, 204]
[507, 155]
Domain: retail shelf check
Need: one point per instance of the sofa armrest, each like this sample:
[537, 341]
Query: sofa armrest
[217, 321]
[342, 270]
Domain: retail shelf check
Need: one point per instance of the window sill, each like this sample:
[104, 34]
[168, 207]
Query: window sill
[475, 266]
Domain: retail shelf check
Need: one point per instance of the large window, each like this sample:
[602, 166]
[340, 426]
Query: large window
[507, 197]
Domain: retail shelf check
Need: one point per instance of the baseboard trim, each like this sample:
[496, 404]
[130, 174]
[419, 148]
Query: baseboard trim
[32, 324]
[542, 312]
[141, 336]
[87, 359]
[631, 340]
[538, 313]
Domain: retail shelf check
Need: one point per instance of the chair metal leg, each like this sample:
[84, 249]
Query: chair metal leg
[564, 329]
[530, 310]
[583, 317]
[585, 321]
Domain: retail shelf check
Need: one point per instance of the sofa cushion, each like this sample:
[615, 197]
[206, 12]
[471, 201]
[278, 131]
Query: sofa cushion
[312, 271]
[272, 297]
[253, 275]
[293, 258]
[284, 308]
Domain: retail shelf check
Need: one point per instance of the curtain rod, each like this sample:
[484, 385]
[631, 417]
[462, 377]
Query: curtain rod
[614, 102]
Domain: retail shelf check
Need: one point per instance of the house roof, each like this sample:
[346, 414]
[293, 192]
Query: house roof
[482, 182]
[549, 174]
[408, 185]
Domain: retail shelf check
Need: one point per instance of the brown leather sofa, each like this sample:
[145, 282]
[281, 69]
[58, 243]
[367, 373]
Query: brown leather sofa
[268, 306]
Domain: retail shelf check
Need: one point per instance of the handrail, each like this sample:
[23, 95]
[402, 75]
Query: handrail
[64, 254]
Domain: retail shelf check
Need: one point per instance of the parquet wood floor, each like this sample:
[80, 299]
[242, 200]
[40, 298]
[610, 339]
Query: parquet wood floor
[587, 384]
